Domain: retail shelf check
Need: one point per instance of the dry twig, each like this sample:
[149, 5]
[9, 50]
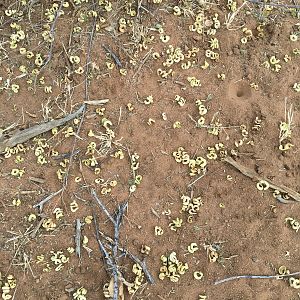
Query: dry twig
[132, 257]
[113, 55]
[250, 173]
[78, 238]
[40, 205]
[255, 277]
[31, 132]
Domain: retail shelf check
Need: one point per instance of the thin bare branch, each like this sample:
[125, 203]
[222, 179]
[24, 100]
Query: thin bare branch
[78, 238]
[102, 206]
[40, 205]
[256, 277]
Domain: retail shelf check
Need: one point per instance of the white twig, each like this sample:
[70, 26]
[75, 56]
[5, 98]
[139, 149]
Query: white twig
[78, 238]
[40, 205]
[255, 277]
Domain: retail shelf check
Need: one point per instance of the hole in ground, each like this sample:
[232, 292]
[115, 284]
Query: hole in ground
[240, 93]
[243, 90]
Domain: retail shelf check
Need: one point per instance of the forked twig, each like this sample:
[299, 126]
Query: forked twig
[112, 259]
[117, 223]
[111, 265]
[132, 257]
[40, 205]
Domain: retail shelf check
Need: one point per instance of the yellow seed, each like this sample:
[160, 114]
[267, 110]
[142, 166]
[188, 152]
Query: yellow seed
[70, 250]
[77, 179]
[88, 219]
[113, 183]
[192, 248]
[79, 70]
[31, 218]
[74, 206]
[16, 202]
[198, 275]
[74, 59]
[85, 240]
[262, 185]
[97, 171]
[164, 38]
[158, 230]
[150, 121]
[123, 72]
[177, 124]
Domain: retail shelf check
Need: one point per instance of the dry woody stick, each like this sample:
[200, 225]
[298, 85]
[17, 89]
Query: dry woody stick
[132, 257]
[40, 205]
[250, 173]
[111, 260]
[78, 238]
[255, 277]
[31, 132]
[113, 55]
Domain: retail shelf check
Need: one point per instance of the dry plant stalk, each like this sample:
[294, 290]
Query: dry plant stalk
[231, 16]
[78, 238]
[250, 173]
[287, 125]
[255, 277]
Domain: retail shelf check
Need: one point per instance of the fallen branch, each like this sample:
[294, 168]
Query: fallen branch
[255, 277]
[31, 132]
[250, 173]
[114, 257]
[114, 243]
[132, 257]
[111, 266]
[40, 205]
